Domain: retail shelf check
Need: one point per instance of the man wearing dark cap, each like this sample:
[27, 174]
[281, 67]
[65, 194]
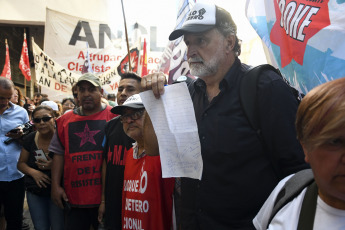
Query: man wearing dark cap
[238, 173]
[77, 146]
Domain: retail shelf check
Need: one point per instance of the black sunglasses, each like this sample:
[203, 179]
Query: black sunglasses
[44, 119]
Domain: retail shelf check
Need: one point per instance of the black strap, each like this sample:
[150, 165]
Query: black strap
[248, 98]
[248, 92]
[307, 215]
[292, 188]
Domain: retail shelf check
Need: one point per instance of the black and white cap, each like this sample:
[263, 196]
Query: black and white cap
[203, 17]
[133, 102]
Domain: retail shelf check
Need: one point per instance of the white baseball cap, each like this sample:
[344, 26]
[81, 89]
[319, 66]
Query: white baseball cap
[51, 104]
[133, 102]
[203, 17]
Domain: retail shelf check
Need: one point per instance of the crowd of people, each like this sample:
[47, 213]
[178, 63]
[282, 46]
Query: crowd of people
[86, 163]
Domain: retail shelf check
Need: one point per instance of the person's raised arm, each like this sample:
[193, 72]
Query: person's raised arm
[150, 138]
[154, 82]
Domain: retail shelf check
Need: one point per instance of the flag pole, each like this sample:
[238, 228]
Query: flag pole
[38, 87]
[29, 67]
[129, 54]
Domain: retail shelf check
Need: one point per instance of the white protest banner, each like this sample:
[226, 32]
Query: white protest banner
[51, 75]
[65, 40]
[66, 36]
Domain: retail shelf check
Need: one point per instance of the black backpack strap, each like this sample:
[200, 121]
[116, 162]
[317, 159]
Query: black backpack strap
[291, 189]
[248, 99]
[307, 214]
[248, 93]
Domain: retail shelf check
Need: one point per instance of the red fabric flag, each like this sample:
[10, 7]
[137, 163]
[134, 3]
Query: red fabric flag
[144, 65]
[24, 64]
[6, 72]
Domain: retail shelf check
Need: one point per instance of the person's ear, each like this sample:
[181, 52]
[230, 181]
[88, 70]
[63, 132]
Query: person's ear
[306, 153]
[230, 42]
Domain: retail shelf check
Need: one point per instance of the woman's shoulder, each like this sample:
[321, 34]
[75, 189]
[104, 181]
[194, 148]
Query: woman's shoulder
[29, 137]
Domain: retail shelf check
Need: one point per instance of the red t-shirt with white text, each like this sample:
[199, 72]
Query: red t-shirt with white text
[147, 197]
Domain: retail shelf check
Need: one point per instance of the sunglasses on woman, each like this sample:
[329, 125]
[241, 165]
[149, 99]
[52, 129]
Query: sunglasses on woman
[44, 119]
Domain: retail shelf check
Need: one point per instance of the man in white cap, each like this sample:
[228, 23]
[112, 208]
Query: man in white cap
[77, 146]
[116, 147]
[147, 198]
[239, 164]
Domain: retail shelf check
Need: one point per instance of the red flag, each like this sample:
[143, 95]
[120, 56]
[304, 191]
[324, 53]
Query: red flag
[6, 72]
[24, 64]
[144, 60]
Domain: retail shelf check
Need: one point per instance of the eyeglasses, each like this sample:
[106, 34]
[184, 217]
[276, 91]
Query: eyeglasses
[44, 119]
[134, 116]
[69, 105]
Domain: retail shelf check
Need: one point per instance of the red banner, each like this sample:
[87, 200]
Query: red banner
[6, 72]
[24, 64]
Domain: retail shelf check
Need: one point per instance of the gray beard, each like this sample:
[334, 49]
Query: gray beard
[204, 69]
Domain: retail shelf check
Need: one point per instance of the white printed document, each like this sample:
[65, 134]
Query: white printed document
[174, 122]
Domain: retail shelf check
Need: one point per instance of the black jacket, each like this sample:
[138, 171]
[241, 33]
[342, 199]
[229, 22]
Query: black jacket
[237, 173]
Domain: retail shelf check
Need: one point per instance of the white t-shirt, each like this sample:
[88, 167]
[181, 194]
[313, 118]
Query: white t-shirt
[326, 217]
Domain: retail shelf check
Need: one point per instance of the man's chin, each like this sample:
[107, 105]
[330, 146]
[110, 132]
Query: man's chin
[87, 107]
[197, 73]
[121, 102]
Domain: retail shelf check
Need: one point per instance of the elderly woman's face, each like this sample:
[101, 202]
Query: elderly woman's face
[328, 164]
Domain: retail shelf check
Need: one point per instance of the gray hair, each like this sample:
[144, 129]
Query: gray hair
[226, 26]
[6, 83]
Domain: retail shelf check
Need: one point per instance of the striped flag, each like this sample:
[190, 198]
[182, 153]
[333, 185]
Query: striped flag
[174, 59]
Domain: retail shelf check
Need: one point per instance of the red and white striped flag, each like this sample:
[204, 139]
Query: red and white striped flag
[24, 64]
[6, 72]
[174, 58]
